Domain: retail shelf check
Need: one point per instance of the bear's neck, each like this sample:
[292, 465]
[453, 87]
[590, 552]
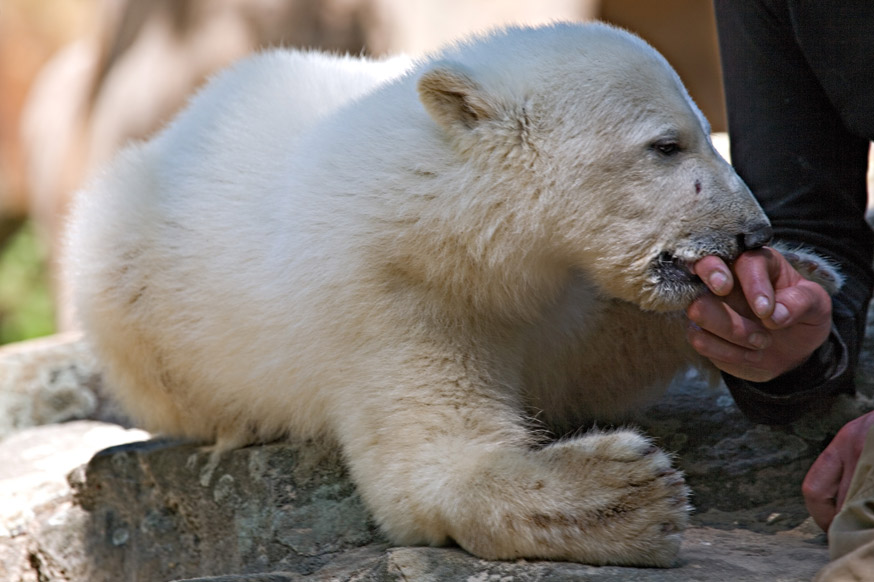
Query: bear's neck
[474, 255]
[429, 221]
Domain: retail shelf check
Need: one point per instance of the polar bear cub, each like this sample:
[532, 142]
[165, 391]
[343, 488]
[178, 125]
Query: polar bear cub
[429, 263]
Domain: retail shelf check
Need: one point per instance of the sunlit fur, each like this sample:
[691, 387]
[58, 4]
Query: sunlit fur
[429, 263]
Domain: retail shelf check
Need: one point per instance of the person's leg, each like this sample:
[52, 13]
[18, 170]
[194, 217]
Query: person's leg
[795, 150]
[788, 141]
[853, 567]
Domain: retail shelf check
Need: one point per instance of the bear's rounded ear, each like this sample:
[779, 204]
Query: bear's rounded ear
[452, 98]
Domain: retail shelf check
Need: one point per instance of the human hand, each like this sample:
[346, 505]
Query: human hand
[768, 323]
[826, 484]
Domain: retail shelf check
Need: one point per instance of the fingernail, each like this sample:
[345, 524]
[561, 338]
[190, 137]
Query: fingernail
[758, 340]
[780, 315]
[761, 305]
[717, 281]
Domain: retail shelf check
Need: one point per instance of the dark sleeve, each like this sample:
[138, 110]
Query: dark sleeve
[799, 88]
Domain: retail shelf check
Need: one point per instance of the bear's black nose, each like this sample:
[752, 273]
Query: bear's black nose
[756, 237]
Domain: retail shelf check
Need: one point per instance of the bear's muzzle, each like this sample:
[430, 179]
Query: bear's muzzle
[757, 237]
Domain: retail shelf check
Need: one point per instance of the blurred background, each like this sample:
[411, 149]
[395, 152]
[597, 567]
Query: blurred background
[80, 78]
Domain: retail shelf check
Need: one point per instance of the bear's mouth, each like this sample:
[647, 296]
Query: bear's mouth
[672, 284]
[673, 270]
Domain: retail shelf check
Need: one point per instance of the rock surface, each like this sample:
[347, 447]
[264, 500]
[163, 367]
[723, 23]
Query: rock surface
[50, 380]
[159, 510]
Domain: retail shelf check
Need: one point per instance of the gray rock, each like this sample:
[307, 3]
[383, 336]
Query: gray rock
[34, 492]
[34, 464]
[159, 510]
[752, 472]
[49, 380]
[162, 510]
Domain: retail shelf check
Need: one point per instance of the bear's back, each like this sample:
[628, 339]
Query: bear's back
[249, 113]
[177, 228]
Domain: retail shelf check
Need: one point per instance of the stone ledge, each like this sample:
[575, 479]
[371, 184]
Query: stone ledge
[50, 380]
[158, 510]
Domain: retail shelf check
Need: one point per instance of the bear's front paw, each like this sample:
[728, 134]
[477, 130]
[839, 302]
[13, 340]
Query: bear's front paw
[604, 498]
[633, 502]
[812, 267]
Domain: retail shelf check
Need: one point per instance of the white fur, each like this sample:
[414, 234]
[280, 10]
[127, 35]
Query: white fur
[417, 259]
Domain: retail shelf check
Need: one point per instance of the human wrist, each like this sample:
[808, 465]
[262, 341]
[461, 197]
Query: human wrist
[786, 397]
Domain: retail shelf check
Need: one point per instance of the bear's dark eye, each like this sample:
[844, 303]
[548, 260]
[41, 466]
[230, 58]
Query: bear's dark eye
[666, 148]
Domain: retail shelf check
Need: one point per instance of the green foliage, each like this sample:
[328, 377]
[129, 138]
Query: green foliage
[26, 305]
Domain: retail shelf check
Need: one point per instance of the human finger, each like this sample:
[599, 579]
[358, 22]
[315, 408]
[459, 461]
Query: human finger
[722, 352]
[849, 442]
[757, 272]
[820, 487]
[715, 274]
[844, 487]
[731, 322]
[804, 302]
